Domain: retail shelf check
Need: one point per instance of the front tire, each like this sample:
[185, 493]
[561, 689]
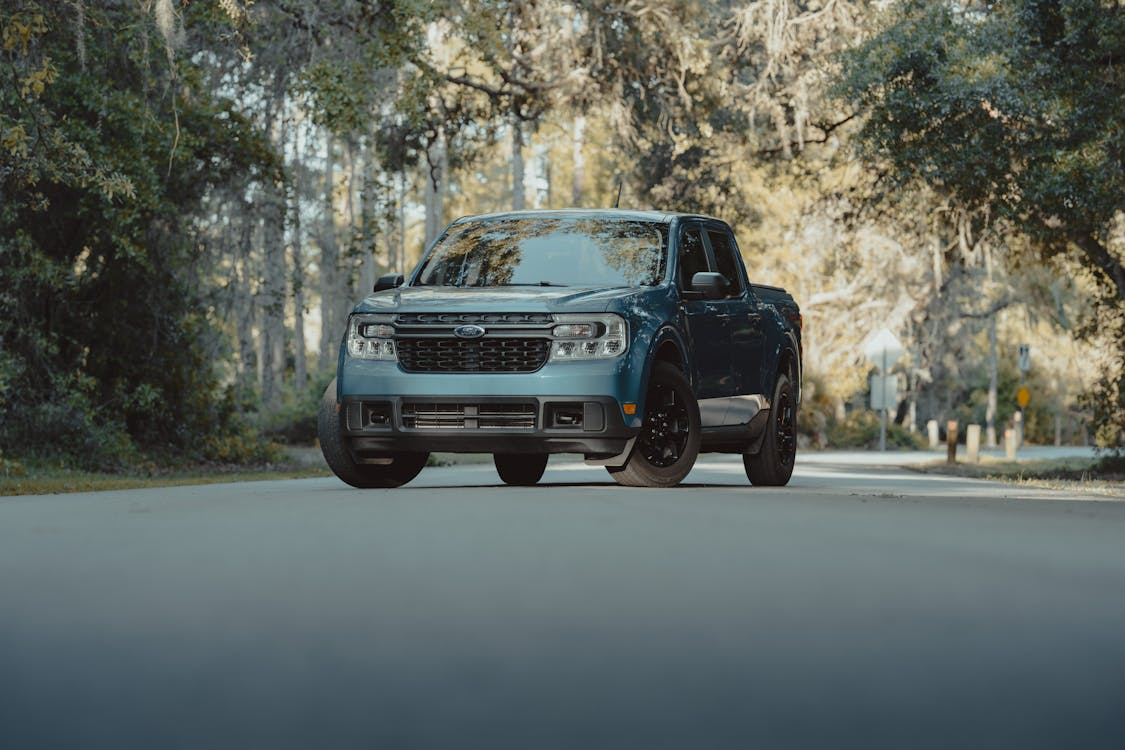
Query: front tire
[773, 464]
[400, 469]
[521, 469]
[668, 443]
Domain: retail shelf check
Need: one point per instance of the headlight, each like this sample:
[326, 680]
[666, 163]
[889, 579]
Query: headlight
[581, 337]
[371, 337]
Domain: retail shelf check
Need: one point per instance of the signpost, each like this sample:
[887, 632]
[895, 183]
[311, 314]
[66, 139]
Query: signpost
[883, 351]
[1023, 396]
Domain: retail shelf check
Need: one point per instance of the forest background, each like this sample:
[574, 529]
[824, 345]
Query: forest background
[193, 194]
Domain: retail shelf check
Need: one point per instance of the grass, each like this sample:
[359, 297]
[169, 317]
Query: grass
[46, 479]
[1075, 474]
[299, 463]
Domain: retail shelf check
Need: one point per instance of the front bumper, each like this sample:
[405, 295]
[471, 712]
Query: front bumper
[375, 425]
[594, 391]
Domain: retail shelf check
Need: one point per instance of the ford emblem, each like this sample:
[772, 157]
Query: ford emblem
[468, 332]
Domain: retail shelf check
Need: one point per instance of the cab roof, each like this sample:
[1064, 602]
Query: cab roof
[585, 213]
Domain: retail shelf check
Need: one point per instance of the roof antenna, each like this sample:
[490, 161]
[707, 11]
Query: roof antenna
[617, 200]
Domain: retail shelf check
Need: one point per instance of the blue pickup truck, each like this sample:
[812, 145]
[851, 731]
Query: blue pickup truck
[631, 337]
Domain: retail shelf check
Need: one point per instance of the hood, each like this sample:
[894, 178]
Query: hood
[416, 299]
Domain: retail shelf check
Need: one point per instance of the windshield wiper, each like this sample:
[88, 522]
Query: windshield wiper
[539, 283]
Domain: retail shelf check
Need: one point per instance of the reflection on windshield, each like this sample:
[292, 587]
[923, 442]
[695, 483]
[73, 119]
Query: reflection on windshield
[548, 252]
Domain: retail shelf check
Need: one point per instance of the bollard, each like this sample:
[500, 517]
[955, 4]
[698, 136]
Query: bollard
[1010, 444]
[972, 444]
[932, 432]
[1018, 419]
[951, 441]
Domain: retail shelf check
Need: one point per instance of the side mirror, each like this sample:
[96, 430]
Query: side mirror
[390, 281]
[710, 285]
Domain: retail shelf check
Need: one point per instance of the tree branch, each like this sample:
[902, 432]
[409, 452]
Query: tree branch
[1099, 256]
[826, 133]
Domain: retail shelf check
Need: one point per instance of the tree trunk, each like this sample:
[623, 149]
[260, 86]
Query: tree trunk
[273, 207]
[936, 248]
[368, 267]
[244, 308]
[273, 295]
[518, 201]
[297, 278]
[330, 330]
[1111, 268]
[399, 263]
[438, 162]
[993, 379]
[579, 160]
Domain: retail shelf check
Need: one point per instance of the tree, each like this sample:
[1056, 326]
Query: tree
[1016, 107]
[106, 149]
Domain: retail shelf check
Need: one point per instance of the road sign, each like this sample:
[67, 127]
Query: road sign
[883, 350]
[1023, 396]
[884, 392]
[1025, 357]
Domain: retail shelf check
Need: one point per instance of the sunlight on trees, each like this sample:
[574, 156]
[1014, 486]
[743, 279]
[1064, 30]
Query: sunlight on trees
[195, 194]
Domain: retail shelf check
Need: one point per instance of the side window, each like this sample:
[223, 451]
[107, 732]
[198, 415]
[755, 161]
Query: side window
[693, 257]
[724, 258]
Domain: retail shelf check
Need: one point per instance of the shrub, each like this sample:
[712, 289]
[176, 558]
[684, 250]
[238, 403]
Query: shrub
[10, 468]
[294, 423]
[242, 447]
[815, 412]
[860, 429]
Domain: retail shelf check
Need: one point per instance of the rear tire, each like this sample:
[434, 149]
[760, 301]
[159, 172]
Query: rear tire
[521, 469]
[668, 444]
[401, 468]
[773, 464]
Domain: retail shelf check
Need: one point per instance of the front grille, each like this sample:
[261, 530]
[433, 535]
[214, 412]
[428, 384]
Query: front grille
[457, 319]
[500, 354]
[426, 415]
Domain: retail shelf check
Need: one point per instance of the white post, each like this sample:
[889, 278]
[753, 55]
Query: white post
[972, 444]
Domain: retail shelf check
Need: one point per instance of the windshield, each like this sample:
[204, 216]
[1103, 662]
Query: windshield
[552, 251]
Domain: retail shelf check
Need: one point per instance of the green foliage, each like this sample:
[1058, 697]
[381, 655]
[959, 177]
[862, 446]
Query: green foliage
[294, 423]
[816, 411]
[244, 446]
[860, 429]
[1113, 465]
[10, 468]
[1106, 402]
[104, 164]
[1017, 105]
[350, 78]
[1015, 108]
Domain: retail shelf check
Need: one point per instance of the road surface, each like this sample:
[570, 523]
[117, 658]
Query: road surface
[862, 606]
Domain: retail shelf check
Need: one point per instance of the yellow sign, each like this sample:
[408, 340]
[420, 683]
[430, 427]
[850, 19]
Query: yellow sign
[1023, 396]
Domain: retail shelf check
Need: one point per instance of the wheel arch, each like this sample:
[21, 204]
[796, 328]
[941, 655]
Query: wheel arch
[667, 346]
[789, 360]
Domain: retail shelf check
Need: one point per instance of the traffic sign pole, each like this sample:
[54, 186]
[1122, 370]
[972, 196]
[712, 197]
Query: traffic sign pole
[883, 423]
[1023, 396]
[883, 350]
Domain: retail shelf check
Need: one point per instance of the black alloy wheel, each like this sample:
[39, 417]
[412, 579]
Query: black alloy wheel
[668, 442]
[785, 425]
[667, 426]
[772, 466]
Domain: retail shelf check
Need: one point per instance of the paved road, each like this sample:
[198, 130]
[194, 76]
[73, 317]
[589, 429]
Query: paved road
[864, 606]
